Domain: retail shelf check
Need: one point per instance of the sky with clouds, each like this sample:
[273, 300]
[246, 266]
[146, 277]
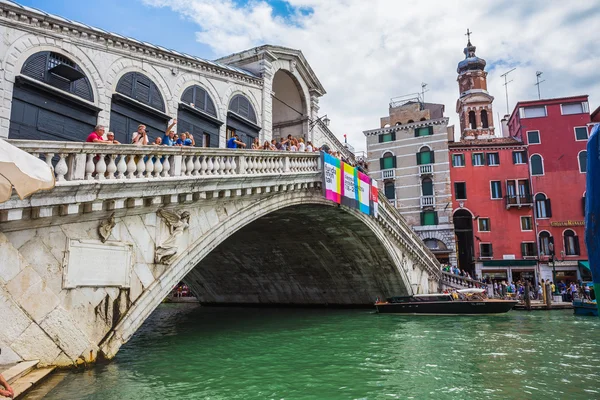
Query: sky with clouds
[367, 51]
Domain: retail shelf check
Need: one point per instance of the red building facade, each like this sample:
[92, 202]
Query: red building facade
[556, 132]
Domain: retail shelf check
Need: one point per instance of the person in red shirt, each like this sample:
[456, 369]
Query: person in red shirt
[96, 136]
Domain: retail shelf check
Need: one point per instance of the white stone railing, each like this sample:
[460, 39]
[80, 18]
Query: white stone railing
[425, 169]
[97, 162]
[388, 173]
[427, 201]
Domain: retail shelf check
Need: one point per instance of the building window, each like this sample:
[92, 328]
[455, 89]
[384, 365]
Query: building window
[533, 112]
[427, 187]
[519, 157]
[545, 241]
[388, 161]
[458, 160]
[572, 108]
[429, 218]
[571, 243]
[472, 122]
[424, 131]
[533, 137]
[387, 137]
[390, 190]
[581, 133]
[542, 206]
[582, 161]
[484, 119]
[425, 156]
[484, 224]
[528, 249]
[496, 189]
[478, 159]
[485, 250]
[537, 165]
[493, 159]
[460, 190]
[205, 140]
[526, 224]
[230, 132]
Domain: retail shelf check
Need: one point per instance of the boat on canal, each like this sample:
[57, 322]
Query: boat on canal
[467, 302]
[584, 307]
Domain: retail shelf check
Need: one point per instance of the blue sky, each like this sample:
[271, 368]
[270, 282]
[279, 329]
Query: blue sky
[365, 52]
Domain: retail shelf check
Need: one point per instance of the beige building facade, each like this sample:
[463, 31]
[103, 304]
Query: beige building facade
[408, 155]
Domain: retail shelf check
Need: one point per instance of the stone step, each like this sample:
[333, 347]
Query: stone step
[39, 392]
[25, 383]
[17, 371]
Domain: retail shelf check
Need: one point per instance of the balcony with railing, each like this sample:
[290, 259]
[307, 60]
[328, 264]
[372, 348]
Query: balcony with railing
[426, 169]
[427, 201]
[518, 200]
[388, 174]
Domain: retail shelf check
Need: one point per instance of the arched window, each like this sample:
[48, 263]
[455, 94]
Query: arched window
[582, 161]
[242, 107]
[472, 122]
[388, 161]
[427, 187]
[57, 70]
[537, 165]
[545, 240]
[571, 243]
[435, 245]
[410, 121]
[198, 98]
[398, 123]
[425, 156]
[390, 190]
[484, 119]
[139, 87]
[423, 119]
[542, 206]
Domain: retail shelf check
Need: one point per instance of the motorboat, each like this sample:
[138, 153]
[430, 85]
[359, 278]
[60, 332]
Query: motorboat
[464, 301]
[585, 307]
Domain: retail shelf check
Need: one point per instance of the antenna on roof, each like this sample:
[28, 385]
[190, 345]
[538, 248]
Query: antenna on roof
[423, 91]
[506, 82]
[537, 78]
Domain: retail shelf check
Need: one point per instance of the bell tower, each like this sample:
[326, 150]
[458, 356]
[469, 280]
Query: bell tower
[474, 104]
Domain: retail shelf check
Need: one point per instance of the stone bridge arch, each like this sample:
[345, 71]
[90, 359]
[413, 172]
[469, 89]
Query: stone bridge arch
[388, 273]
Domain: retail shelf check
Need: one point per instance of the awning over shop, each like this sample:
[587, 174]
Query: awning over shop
[510, 263]
[584, 264]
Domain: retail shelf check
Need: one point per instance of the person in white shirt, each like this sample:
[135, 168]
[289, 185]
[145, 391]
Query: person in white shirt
[301, 145]
[140, 137]
[309, 147]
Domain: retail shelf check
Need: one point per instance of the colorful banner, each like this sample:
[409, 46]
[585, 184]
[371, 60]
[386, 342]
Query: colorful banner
[364, 193]
[332, 178]
[374, 198]
[349, 186]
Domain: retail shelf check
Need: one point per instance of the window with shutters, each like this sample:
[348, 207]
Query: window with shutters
[60, 72]
[526, 223]
[496, 188]
[485, 250]
[387, 137]
[458, 160]
[544, 242]
[542, 206]
[533, 137]
[571, 242]
[581, 133]
[198, 98]
[483, 224]
[478, 159]
[493, 159]
[537, 165]
[533, 112]
[582, 158]
[528, 249]
[427, 187]
[425, 156]
[390, 190]
[139, 87]
[519, 157]
[424, 131]
[460, 190]
[388, 161]
[242, 107]
[429, 218]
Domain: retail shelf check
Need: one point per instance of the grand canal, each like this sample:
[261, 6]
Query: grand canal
[191, 352]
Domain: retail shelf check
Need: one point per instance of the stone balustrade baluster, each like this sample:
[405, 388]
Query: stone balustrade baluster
[166, 172]
[48, 159]
[89, 167]
[131, 167]
[121, 167]
[189, 166]
[158, 165]
[140, 167]
[209, 165]
[61, 168]
[217, 166]
[100, 167]
[111, 168]
[271, 164]
[183, 165]
[249, 165]
[203, 166]
[197, 166]
[233, 166]
[149, 166]
[227, 166]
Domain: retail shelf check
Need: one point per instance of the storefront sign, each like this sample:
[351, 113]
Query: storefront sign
[567, 223]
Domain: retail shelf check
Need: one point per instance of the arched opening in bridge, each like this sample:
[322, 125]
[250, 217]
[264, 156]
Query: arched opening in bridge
[439, 249]
[290, 113]
[299, 255]
[463, 227]
[52, 100]
[197, 115]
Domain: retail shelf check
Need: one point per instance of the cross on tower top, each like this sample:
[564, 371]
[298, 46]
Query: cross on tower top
[468, 35]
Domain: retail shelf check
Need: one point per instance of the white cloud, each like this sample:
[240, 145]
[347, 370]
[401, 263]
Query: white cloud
[365, 52]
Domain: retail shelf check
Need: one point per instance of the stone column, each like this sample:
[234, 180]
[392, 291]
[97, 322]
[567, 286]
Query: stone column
[266, 71]
[478, 118]
[314, 114]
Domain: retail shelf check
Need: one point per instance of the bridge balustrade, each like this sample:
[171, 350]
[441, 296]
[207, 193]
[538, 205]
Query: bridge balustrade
[452, 280]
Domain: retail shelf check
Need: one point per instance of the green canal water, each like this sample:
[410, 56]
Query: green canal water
[192, 352]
